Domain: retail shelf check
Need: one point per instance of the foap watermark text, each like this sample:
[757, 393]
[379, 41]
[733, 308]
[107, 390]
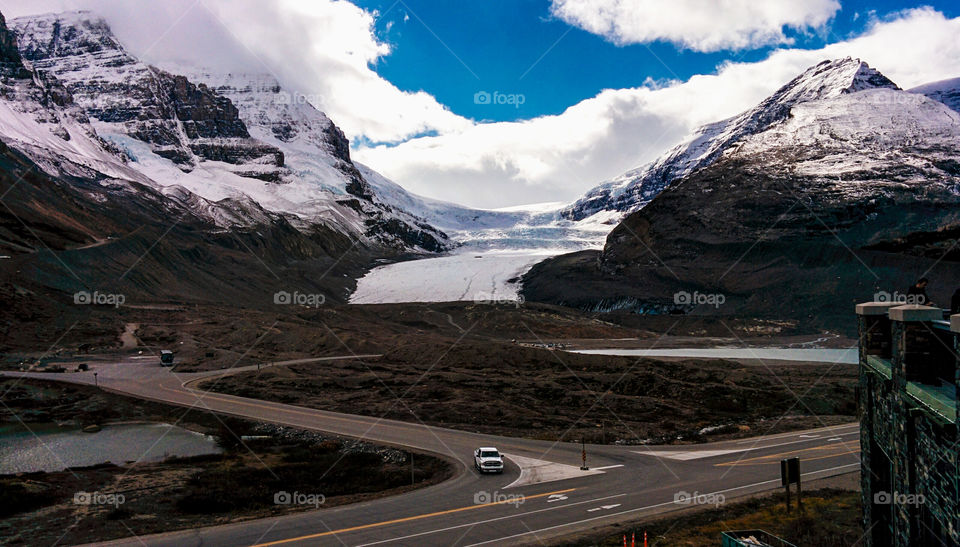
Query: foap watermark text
[897, 498]
[900, 298]
[296, 298]
[686, 498]
[487, 298]
[696, 298]
[98, 498]
[97, 298]
[483, 498]
[499, 99]
[298, 498]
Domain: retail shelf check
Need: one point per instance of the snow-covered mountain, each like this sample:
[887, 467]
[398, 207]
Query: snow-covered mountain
[838, 186]
[945, 91]
[216, 140]
[239, 152]
[634, 189]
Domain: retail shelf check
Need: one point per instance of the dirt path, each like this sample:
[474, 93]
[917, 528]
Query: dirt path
[129, 337]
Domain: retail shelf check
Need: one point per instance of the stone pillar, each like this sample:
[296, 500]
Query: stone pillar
[955, 328]
[912, 344]
[876, 338]
[874, 328]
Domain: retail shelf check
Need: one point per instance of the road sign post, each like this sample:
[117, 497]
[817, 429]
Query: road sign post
[787, 487]
[790, 473]
[799, 492]
[583, 454]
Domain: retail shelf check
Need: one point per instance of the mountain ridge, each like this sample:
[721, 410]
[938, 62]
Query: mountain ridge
[205, 135]
[793, 222]
[637, 187]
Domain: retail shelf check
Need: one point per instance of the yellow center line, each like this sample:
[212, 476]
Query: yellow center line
[407, 519]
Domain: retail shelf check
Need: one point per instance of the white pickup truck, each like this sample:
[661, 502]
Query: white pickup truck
[488, 460]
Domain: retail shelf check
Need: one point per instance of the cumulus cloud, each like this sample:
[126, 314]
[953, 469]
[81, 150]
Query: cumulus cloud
[556, 158]
[696, 24]
[325, 49]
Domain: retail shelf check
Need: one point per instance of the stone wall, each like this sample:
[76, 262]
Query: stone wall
[917, 491]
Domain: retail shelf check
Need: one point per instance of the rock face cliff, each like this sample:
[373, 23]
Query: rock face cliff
[851, 192]
[209, 134]
[11, 64]
[180, 121]
[318, 153]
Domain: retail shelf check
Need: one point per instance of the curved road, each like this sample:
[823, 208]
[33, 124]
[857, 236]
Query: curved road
[542, 494]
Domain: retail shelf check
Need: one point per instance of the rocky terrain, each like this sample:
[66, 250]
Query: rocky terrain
[539, 393]
[826, 202]
[495, 354]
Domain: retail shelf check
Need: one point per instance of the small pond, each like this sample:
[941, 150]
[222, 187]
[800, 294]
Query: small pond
[48, 447]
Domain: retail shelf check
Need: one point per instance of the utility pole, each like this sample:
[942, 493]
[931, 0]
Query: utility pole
[96, 383]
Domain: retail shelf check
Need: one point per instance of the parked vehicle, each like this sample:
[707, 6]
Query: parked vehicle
[488, 460]
[166, 358]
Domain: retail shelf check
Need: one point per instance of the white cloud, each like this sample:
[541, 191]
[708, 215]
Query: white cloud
[701, 25]
[557, 158]
[326, 47]
[322, 48]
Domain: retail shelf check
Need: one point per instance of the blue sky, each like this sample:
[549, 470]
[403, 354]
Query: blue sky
[495, 45]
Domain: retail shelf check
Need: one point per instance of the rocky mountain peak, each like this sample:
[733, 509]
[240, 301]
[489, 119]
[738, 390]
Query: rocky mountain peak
[209, 133]
[182, 121]
[64, 35]
[634, 189]
[830, 79]
[11, 64]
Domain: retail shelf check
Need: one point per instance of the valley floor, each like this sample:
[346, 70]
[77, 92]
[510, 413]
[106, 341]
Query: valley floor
[488, 367]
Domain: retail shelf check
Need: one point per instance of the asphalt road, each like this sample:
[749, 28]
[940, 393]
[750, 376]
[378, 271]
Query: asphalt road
[542, 494]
